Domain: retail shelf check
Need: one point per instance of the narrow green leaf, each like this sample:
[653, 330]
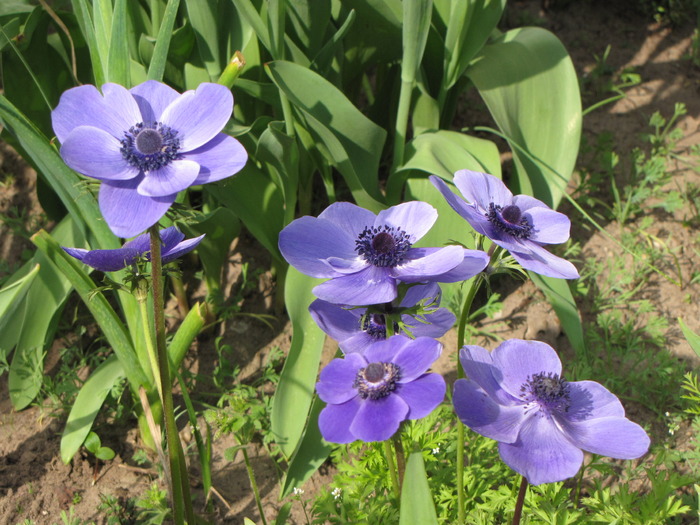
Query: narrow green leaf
[531, 88]
[113, 329]
[12, 294]
[290, 406]
[469, 25]
[309, 455]
[250, 14]
[156, 69]
[87, 405]
[82, 14]
[559, 295]
[353, 142]
[417, 504]
[416, 24]
[102, 22]
[119, 66]
[690, 336]
[203, 17]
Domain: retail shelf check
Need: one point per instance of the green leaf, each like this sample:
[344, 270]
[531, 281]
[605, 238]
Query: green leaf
[113, 329]
[86, 407]
[530, 86]
[12, 294]
[352, 141]
[416, 24]
[416, 500]
[186, 332]
[92, 442]
[104, 454]
[295, 390]
[559, 295]
[692, 338]
[469, 25]
[82, 14]
[119, 67]
[156, 68]
[257, 202]
[30, 326]
[311, 453]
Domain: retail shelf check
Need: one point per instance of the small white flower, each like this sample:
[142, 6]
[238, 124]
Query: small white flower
[436, 450]
[297, 491]
[336, 493]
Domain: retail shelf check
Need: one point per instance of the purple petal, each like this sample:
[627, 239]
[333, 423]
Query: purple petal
[479, 367]
[591, 400]
[152, 98]
[336, 380]
[423, 264]
[482, 189]
[415, 218]
[170, 179]
[379, 420]
[542, 454]
[127, 213]
[616, 437]
[416, 357]
[181, 249]
[171, 237]
[306, 242]
[345, 266]
[78, 253]
[417, 293]
[422, 395]
[334, 421]
[549, 226]
[525, 202]
[373, 285]
[385, 350]
[199, 115]
[142, 243]
[475, 261]
[539, 260]
[519, 360]
[476, 409]
[122, 103]
[349, 217]
[95, 153]
[219, 158]
[438, 323]
[469, 212]
[85, 106]
[338, 322]
[106, 260]
[357, 343]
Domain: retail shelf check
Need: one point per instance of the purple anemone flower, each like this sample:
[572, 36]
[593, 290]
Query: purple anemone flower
[517, 396]
[145, 145]
[521, 224]
[355, 330]
[173, 247]
[368, 395]
[366, 255]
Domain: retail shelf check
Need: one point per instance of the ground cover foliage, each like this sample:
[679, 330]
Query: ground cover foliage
[344, 102]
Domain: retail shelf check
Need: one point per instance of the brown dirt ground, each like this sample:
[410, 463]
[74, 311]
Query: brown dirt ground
[35, 484]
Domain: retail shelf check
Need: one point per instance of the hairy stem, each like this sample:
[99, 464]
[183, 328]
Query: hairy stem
[519, 503]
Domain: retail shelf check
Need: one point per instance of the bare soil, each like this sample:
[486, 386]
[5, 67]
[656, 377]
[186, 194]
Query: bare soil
[36, 485]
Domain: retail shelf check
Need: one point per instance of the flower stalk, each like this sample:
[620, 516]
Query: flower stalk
[391, 465]
[181, 501]
[520, 501]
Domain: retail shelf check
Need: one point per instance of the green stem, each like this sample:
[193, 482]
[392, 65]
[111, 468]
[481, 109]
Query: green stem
[181, 503]
[519, 503]
[152, 355]
[254, 485]
[391, 464]
[401, 123]
[461, 330]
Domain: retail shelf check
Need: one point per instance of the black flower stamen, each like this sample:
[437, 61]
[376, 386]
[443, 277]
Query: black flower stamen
[548, 390]
[509, 219]
[374, 325]
[150, 147]
[383, 246]
[377, 380]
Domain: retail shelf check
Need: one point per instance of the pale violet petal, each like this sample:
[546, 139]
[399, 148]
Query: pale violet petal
[95, 153]
[170, 179]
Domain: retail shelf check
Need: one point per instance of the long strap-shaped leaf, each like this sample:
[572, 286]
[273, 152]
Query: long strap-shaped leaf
[416, 500]
[160, 53]
[113, 329]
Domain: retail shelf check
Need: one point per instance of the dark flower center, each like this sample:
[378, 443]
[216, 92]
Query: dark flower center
[547, 390]
[377, 380]
[150, 147]
[374, 325]
[383, 246]
[509, 219]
